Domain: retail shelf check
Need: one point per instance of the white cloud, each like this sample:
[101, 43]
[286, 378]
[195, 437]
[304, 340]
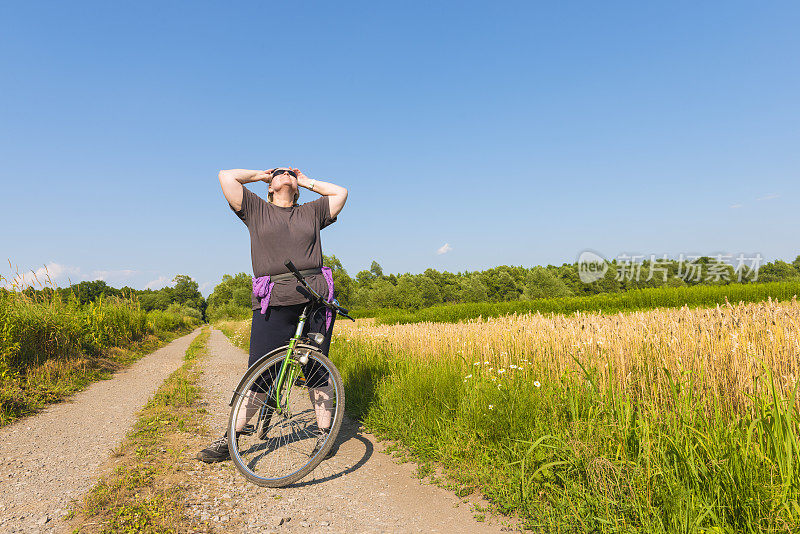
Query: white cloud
[57, 272]
[63, 275]
[771, 196]
[736, 206]
[158, 283]
[444, 249]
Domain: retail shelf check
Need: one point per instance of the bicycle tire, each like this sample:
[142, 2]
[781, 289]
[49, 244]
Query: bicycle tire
[257, 370]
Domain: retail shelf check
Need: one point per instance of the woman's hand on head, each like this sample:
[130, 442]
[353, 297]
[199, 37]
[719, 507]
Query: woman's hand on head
[302, 179]
[264, 176]
[300, 174]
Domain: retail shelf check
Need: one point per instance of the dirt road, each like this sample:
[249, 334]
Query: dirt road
[55, 456]
[51, 457]
[359, 489]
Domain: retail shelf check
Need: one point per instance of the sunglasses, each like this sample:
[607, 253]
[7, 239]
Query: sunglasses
[284, 171]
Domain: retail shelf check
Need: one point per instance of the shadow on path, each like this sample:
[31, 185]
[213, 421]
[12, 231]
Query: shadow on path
[348, 432]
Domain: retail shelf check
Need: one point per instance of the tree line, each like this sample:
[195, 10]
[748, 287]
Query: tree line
[373, 288]
[184, 296]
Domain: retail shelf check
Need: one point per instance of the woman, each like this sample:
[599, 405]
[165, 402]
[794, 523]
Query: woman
[281, 229]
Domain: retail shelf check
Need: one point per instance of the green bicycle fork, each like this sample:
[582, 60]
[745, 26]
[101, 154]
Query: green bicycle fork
[289, 371]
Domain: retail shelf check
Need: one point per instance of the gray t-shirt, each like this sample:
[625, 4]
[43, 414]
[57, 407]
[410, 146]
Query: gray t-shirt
[278, 234]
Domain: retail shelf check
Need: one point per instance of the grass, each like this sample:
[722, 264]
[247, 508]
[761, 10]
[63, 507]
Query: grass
[667, 420]
[238, 332]
[721, 348]
[57, 379]
[682, 420]
[52, 348]
[143, 493]
[610, 303]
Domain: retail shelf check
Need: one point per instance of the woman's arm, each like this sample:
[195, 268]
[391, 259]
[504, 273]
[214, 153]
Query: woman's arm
[232, 180]
[337, 195]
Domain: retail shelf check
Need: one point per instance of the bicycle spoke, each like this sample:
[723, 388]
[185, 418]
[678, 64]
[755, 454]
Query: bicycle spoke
[285, 434]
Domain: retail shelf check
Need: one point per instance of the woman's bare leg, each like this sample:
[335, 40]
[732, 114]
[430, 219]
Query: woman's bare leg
[252, 402]
[322, 399]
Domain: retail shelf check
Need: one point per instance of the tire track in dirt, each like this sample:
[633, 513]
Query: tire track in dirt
[359, 489]
[50, 458]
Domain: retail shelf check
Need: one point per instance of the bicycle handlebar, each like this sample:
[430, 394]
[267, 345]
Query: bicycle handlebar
[334, 305]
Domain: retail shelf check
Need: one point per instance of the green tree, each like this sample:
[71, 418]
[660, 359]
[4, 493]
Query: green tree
[185, 290]
[541, 283]
[448, 284]
[344, 286]
[376, 269]
[231, 291]
[777, 271]
[364, 278]
[89, 291]
[428, 291]
[242, 297]
[472, 289]
[674, 281]
[502, 286]
[408, 293]
[383, 294]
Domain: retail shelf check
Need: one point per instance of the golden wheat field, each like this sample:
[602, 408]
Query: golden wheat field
[721, 350]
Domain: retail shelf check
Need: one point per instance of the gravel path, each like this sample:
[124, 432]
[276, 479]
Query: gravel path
[54, 456]
[359, 489]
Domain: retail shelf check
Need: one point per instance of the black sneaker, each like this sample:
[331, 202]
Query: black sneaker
[217, 451]
[321, 437]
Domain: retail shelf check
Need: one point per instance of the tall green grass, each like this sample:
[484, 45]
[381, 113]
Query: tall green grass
[569, 455]
[228, 311]
[52, 348]
[638, 299]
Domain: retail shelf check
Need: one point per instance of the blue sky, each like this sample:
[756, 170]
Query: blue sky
[513, 133]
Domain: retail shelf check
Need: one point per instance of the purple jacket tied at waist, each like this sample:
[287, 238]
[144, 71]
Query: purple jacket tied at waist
[262, 289]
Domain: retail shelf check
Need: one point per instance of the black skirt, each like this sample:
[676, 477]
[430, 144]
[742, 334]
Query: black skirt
[276, 327]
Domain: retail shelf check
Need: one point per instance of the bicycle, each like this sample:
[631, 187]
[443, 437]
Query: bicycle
[287, 386]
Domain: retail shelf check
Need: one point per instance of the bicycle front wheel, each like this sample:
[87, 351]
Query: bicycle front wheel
[286, 432]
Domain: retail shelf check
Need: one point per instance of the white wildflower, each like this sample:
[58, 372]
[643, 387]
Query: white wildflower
[537, 384]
